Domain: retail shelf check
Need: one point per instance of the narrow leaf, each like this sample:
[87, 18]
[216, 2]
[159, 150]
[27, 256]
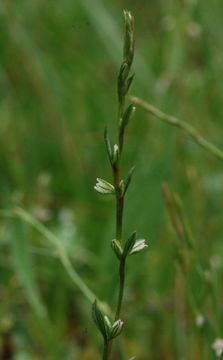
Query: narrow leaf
[128, 179]
[129, 112]
[129, 244]
[24, 267]
[124, 120]
[123, 74]
[99, 320]
[129, 82]
[108, 145]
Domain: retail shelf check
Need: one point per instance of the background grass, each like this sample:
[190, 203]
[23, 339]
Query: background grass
[58, 67]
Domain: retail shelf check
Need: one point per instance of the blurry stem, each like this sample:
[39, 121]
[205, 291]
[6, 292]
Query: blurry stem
[174, 216]
[215, 301]
[61, 253]
[187, 128]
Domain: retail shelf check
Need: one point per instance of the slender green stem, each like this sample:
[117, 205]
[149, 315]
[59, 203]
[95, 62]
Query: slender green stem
[105, 350]
[119, 227]
[119, 217]
[121, 288]
[118, 231]
[119, 220]
[123, 84]
[120, 142]
[172, 120]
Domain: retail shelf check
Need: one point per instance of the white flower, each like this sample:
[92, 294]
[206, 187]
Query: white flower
[194, 29]
[66, 216]
[139, 246]
[216, 262]
[44, 179]
[199, 320]
[42, 213]
[218, 347]
[104, 187]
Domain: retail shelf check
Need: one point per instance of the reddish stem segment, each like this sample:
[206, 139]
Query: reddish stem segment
[119, 203]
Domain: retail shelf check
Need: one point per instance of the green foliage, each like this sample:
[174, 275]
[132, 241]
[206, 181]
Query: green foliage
[58, 68]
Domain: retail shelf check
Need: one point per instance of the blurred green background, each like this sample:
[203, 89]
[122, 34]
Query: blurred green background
[59, 62]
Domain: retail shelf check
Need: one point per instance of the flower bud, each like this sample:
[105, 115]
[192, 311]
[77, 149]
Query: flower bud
[116, 247]
[108, 325]
[116, 329]
[139, 245]
[115, 156]
[104, 187]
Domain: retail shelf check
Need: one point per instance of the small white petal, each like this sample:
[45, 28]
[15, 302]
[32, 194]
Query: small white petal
[199, 320]
[139, 246]
[102, 191]
[116, 328]
[218, 347]
[117, 323]
[116, 148]
[107, 322]
[104, 187]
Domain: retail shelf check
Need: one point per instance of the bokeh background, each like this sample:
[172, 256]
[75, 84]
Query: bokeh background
[59, 62]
